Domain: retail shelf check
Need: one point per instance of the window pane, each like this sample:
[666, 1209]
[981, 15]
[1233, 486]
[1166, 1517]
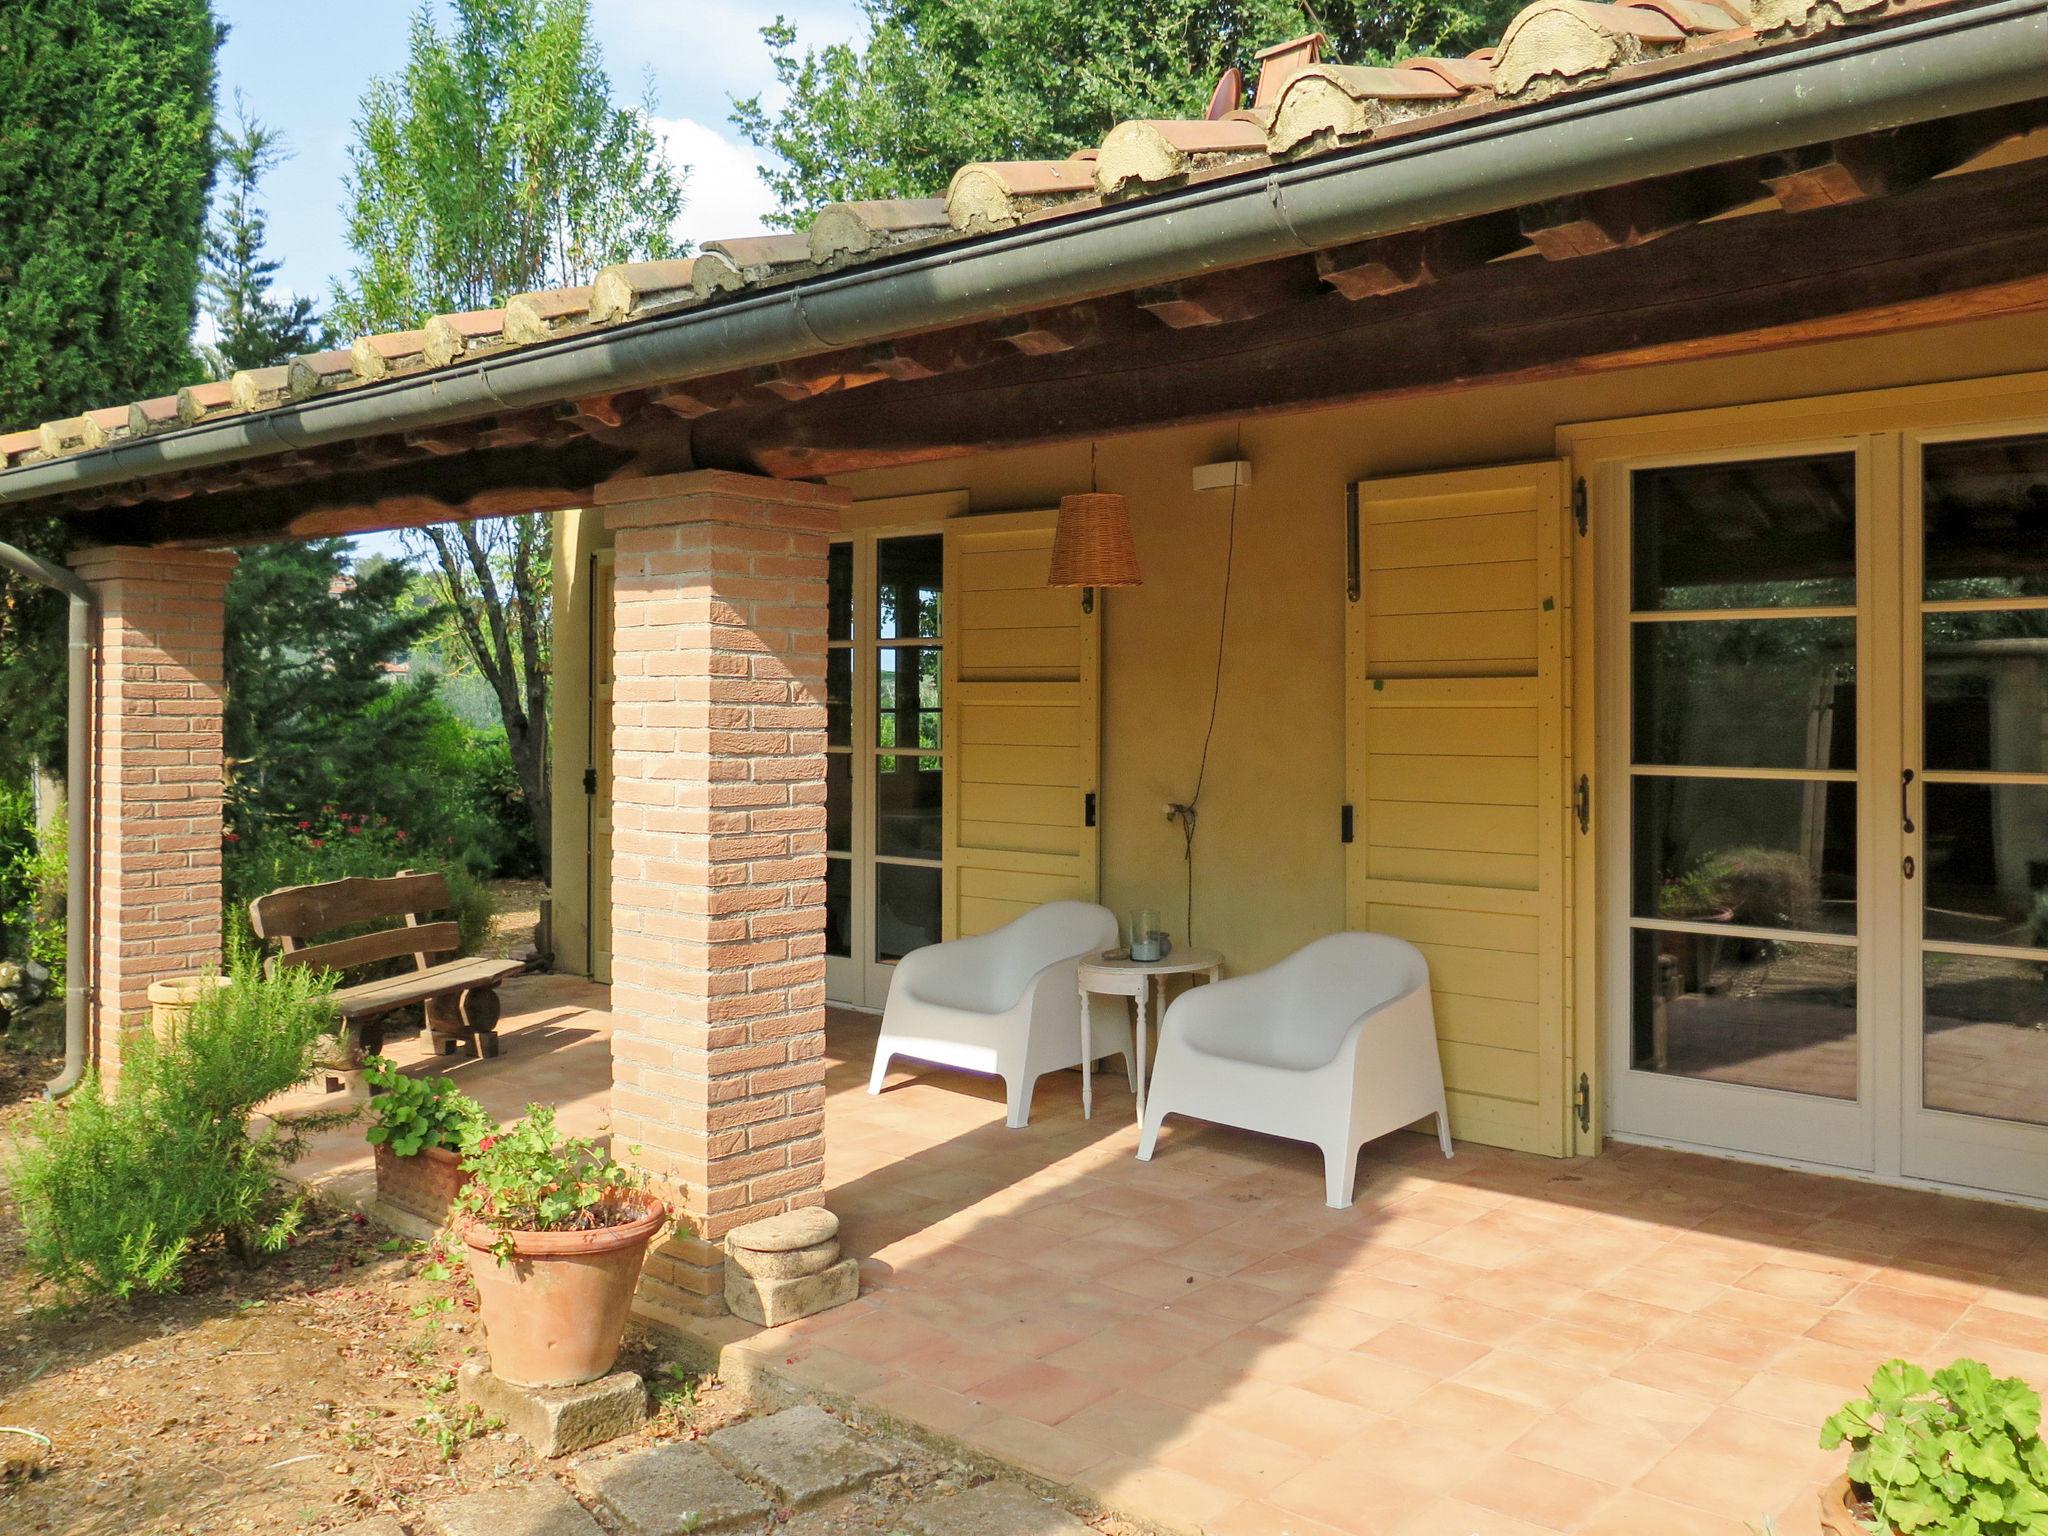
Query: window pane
[839, 907]
[1987, 691]
[1987, 863]
[1767, 853]
[1746, 693]
[1771, 533]
[1985, 1041]
[839, 697]
[1987, 518]
[907, 682]
[839, 593]
[907, 900]
[1764, 1014]
[908, 799]
[839, 801]
[907, 577]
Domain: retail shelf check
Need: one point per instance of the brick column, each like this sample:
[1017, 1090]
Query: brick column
[718, 855]
[157, 702]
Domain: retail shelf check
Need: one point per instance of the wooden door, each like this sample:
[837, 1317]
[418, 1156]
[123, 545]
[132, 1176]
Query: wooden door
[1023, 663]
[1456, 768]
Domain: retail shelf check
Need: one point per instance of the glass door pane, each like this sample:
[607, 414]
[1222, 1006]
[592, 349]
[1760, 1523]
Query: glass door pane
[843, 982]
[906, 751]
[1743, 816]
[1983, 838]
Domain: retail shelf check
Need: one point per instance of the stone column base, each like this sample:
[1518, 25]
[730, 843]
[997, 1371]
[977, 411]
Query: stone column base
[788, 1267]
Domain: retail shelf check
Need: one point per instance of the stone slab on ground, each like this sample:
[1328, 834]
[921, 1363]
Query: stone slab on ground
[771, 1303]
[669, 1490]
[540, 1509]
[993, 1509]
[379, 1525]
[803, 1453]
[557, 1421]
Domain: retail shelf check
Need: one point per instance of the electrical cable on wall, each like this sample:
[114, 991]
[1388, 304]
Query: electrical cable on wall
[1185, 813]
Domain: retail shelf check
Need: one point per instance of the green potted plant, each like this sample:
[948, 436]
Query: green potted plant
[421, 1127]
[556, 1232]
[1958, 1453]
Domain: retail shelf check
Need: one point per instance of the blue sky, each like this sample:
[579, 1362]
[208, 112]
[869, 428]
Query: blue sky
[301, 65]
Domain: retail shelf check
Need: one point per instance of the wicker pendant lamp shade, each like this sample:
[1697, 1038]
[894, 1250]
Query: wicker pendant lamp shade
[1092, 544]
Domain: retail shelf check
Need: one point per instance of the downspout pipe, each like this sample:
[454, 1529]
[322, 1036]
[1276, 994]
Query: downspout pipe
[1937, 63]
[78, 807]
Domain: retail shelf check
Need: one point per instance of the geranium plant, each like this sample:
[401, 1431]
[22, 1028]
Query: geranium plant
[528, 1178]
[408, 1113]
[1957, 1453]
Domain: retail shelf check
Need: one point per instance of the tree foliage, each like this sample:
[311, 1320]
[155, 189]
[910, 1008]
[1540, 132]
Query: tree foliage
[937, 83]
[106, 154]
[496, 163]
[253, 327]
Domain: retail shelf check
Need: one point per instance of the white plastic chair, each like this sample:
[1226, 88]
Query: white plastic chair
[1335, 1045]
[1007, 1002]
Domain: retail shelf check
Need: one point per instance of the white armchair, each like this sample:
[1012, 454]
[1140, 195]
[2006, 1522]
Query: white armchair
[1007, 1002]
[1335, 1045]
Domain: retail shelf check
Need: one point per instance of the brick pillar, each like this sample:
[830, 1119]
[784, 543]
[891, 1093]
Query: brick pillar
[157, 702]
[718, 855]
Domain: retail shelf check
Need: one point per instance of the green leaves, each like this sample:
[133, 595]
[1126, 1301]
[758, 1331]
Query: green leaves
[526, 1178]
[411, 1113]
[1957, 1453]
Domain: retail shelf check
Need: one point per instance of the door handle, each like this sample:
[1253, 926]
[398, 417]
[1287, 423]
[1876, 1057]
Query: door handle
[1906, 801]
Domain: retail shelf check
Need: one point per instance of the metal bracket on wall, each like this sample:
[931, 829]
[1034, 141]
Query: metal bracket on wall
[1582, 803]
[1582, 1102]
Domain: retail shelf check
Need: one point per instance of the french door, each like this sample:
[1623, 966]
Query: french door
[1828, 884]
[885, 758]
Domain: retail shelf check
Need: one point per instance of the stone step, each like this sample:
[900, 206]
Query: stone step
[993, 1509]
[539, 1509]
[802, 1453]
[675, 1489]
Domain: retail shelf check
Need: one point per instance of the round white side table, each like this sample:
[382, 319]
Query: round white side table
[1133, 979]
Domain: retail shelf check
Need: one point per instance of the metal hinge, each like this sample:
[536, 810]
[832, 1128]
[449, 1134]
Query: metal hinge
[1345, 830]
[1582, 803]
[590, 781]
[1579, 511]
[1582, 1102]
[1351, 584]
[1088, 809]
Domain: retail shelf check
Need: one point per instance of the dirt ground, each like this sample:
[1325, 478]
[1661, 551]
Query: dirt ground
[515, 909]
[300, 1396]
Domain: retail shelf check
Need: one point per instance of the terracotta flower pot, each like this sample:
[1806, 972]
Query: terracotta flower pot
[555, 1311]
[1838, 1515]
[423, 1185]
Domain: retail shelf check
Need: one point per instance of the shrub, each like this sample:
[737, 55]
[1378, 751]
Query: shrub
[409, 1113]
[1762, 887]
[45, 871]
[1959, 1451]
[17, 846]
[121, 1190]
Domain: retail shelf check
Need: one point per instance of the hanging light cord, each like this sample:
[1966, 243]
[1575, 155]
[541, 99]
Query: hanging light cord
[1187, 812]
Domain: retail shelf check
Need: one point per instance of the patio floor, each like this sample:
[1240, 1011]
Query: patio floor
[1642, 1344]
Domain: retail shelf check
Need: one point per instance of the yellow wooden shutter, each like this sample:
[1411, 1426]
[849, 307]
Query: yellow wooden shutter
[601, 676]
[1455, 719]
[1023, 662]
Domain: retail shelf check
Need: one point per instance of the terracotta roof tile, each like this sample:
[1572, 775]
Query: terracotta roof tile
[1304, 106]
[1143, 155]
[318, 372]
[376, 357]
[994, 194]
[203, 402]
[451, 338]
[844, 231]
[723, 265]
[631, 287]
[531, 317]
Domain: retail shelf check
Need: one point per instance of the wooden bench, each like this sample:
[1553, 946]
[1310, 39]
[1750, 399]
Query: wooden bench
[460, 996]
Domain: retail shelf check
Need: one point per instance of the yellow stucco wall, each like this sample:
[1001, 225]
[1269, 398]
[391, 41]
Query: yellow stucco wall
[1269, 868]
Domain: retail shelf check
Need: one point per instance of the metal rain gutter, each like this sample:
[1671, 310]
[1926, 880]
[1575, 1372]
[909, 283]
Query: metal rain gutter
[77, 804]
[1945, 61]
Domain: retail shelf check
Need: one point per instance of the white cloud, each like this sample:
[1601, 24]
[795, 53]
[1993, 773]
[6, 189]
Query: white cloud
[725, 196]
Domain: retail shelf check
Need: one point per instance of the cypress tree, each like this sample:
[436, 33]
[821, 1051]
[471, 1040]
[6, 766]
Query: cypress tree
[106, 158]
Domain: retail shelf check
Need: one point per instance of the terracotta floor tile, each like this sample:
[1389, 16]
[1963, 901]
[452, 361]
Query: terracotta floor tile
[1049, 1452]
[1796, 1284]
[1541, 1384]
[1770, 1314]
[1681, 1371]
[1045, 1393]
[1544, 1496]
[1167, 1495]
[1255, 1517]
[1455, 1517]
[1484, 1421]
[1794, 1399]
[1615, 1451]
[1421, 1349]
[1316, 1321]
[1879, 1337]
[1295, 1416]
[1368, 1381]
[1750, 1347]
[1474, 1321]
[1639, 1514]
[1245, 1465]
